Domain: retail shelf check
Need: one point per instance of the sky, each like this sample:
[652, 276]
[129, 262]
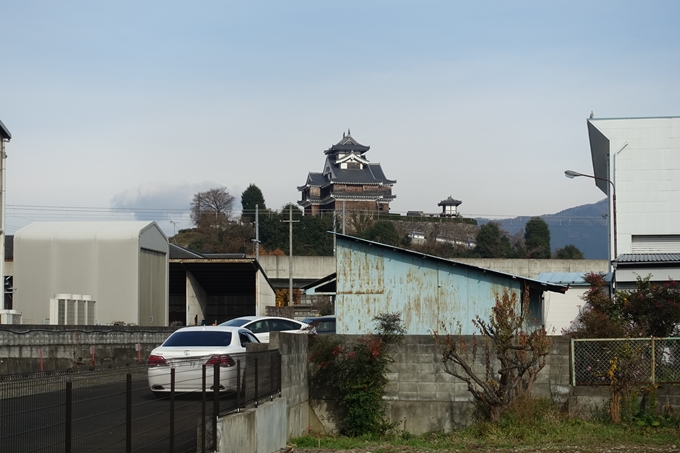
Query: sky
[125, 109]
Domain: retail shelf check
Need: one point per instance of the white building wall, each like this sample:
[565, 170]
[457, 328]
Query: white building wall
[266, 296]
[561, 310]
[644, 165]
[96, 258]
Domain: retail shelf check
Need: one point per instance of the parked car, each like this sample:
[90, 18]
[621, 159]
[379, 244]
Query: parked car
[187, 349]
[323, 325]
[262, 325]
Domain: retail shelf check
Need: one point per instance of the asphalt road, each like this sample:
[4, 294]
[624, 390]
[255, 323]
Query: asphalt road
[36, 423]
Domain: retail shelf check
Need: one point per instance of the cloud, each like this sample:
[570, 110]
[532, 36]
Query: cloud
[160, 200]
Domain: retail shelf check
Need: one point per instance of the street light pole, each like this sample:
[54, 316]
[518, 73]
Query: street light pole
[573, 174]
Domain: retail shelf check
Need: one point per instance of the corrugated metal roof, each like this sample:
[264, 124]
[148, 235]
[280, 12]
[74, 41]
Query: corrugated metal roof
[177, 252]
[529, 281]
[4, 132]
[84, 230]
[565, 278]
[648, 258]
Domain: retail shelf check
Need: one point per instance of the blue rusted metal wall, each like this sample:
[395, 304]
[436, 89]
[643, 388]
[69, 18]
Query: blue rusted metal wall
[432, 294]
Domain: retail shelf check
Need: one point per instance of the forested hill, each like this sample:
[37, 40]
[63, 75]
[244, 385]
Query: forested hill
[584, 226]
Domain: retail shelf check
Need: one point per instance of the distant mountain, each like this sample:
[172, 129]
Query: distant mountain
[584, 226]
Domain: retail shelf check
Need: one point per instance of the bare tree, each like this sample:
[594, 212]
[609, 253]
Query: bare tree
[212, 208]
[520, 351]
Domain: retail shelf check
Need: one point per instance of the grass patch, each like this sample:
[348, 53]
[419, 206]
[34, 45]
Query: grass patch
[530, 422]
[573, 433]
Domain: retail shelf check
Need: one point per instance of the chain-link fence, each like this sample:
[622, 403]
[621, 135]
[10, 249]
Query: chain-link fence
[638, 360]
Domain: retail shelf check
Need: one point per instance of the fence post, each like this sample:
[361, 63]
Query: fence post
[278, 373]
[573, 366]
[216, 401]
[271, 377]
[69, 417]
[256, 379]
[203, 401]
[172, 410]
[128, 413]
[653, 362]
[238, 386]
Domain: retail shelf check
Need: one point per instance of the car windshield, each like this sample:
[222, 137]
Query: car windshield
[199, 338]
[235, 322]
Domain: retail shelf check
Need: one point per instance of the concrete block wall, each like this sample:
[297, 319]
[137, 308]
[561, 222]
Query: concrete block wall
[422, 397]
[65, 347]
[294, 382]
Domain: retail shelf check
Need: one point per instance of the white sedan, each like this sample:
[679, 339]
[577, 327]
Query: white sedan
[187, 349]
[262, 325]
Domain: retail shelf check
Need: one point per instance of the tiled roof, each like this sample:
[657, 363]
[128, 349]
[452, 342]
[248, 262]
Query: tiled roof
[370, 174]
[348, 143]
[648, 258]
[449, 202]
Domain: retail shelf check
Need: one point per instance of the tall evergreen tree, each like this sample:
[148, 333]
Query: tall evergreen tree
[492, 242]
[537, 238]
[249, 198]
[569, 252]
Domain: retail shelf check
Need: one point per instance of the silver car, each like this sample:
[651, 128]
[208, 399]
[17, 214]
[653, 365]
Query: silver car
[189, 348]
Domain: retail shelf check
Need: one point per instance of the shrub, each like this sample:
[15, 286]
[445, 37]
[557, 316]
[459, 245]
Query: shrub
[352, 377]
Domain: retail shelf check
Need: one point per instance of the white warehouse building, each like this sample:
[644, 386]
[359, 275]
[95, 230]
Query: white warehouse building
[114, 271]
[636, 161]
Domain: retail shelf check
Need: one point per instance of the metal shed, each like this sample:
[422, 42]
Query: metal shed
[122, 266]
[213, 288]
[431, 293]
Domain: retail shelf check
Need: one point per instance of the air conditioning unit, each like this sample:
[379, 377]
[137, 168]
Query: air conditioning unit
[72, 309]
[10, 317]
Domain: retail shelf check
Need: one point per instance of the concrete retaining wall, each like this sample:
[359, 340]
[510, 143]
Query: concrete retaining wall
[64, 347]
[530, 268]
[261, 430]
[294, 381]
[267, 428]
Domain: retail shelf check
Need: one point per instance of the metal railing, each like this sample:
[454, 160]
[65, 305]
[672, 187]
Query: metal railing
[640, 360]
[114, 409]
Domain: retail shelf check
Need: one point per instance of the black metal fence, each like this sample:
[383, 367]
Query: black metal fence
[113, 410]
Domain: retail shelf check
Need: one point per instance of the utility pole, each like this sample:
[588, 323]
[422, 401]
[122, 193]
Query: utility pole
[4, 136]
[290, 254]
[343, 216]
[174, 230]
[257, 233]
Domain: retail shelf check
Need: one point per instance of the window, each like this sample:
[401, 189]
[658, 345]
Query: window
[281, 325]
[199, 338]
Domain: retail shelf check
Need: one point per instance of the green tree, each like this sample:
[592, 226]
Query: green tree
[383, 231]
[493, 242]
[310, 233]
[649, 310]
[569, 252]
[251, 197]
[311, 236]
[537, 238]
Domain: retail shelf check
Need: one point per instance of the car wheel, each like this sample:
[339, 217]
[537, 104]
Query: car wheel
[159, 395]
